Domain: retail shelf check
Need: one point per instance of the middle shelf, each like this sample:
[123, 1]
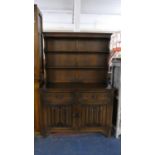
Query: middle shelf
[70, 67]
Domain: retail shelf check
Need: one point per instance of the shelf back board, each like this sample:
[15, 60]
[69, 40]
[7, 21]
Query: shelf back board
[76, 57]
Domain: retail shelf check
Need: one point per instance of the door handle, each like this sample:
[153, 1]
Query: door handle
[76, 115]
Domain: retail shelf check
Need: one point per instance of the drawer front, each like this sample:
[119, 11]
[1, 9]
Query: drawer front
[57, 98]
[95, 98]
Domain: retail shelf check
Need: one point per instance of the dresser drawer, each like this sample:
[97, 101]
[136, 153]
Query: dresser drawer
[57, 98]
[95, 97]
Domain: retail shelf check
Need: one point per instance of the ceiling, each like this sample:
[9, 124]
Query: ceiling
[95, 15]
[87, 6]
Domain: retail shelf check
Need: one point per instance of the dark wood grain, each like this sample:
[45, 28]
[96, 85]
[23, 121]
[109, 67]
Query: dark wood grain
[38, 65]
[75, 98]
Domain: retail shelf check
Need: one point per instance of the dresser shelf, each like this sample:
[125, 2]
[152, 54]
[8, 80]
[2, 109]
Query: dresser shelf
[76, 52]
[77, 85]
[68, 67]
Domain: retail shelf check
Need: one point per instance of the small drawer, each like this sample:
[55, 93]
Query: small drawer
[57, 98]
[94, 97]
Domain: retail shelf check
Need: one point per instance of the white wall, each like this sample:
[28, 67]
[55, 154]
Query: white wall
[96, 15]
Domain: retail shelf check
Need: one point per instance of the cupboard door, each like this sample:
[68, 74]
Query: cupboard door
[59, 116]
[58, 110]
[93, 115]
[95, 112]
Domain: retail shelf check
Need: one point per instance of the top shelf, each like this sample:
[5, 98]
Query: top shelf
[76, 35]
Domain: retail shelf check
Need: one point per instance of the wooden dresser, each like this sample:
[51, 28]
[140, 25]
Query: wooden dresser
[75, 97]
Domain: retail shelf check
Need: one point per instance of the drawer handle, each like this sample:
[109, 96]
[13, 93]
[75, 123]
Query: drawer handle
[59, 96]
[94, 96]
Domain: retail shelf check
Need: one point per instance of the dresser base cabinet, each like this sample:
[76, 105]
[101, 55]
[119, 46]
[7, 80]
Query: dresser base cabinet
[76, 111]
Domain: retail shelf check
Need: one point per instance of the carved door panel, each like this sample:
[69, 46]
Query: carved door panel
[93, 110]
[93, 115]
[58, 110]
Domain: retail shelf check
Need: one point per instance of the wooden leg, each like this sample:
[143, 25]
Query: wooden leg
[109, 130]
[44, 133]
